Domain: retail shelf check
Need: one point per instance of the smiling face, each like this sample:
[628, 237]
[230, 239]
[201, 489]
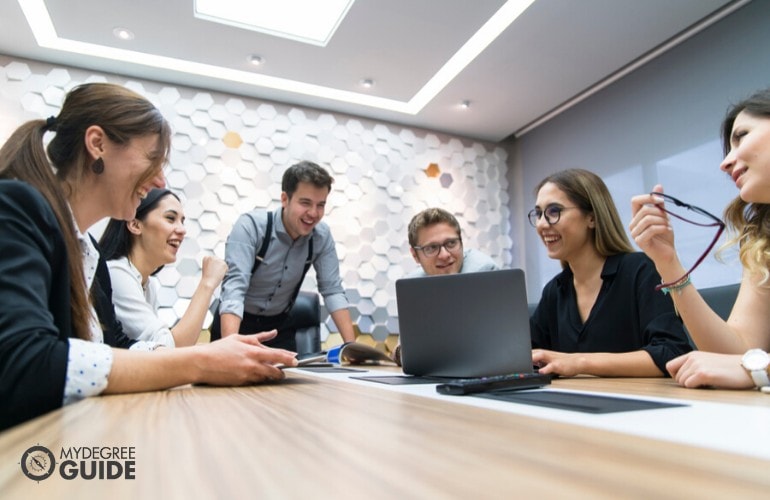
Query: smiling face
[130, 171]
[748, 162]
[158, 237]
[445, 261]
[571, 235]
[304, 209]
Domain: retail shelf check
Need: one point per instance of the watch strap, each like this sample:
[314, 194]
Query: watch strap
[760, 378]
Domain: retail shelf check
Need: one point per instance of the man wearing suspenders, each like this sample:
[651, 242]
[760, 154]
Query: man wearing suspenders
[268, 254]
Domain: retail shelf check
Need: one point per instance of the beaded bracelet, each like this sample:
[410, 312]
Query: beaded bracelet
[678, 286]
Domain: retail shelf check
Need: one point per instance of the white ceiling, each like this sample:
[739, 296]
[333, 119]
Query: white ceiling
[554, 54]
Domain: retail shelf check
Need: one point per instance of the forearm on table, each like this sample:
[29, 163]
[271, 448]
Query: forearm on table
[625, 364]
[134, 371]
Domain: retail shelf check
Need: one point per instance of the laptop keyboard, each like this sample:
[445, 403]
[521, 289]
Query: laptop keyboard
[510, 381]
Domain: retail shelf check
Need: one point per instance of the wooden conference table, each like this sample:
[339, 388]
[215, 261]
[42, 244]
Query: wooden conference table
[312, 436]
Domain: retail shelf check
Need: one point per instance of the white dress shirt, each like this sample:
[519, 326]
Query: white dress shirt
[136, 306]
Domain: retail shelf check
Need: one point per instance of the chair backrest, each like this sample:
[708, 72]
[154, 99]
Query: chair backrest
[305, 316]
[721, 298]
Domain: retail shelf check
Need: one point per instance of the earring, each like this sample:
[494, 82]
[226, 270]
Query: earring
[97, 166]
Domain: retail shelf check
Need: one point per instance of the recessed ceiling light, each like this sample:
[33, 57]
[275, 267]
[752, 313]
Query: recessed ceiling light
[255, 60]
[123, 33]
[367, 83]
[308, 21]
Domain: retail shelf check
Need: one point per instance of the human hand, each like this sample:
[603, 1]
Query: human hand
[242, 359]
[213, 271]
[396, 356]
[558, 363]
[708, 369]
[651, 230]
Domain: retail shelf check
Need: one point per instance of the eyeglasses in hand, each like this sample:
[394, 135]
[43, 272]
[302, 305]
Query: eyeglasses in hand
[716, 222]
[552, 214]
[434, 248]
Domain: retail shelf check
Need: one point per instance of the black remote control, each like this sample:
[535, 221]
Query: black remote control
[517, 381]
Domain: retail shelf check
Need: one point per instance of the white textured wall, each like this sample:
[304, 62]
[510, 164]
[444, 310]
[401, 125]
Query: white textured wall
[229, 153]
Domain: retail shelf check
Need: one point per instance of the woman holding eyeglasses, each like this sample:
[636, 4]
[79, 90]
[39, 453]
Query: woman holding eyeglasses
[597, 316]
[744, 338]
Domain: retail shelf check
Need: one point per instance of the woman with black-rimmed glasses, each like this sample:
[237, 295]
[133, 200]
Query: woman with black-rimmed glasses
[596, 317]
[744, 338]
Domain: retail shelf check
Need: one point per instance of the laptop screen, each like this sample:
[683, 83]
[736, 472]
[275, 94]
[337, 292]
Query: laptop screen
[464, 325]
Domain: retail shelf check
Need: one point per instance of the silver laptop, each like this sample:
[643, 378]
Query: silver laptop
[464, 325]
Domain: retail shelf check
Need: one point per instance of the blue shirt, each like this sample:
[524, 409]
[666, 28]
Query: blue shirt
[270, 289]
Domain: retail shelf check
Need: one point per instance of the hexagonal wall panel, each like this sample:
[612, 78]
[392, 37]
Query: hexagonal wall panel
[230, 152]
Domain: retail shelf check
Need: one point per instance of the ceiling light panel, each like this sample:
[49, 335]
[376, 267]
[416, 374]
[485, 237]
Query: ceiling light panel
[42, 26]
[316, 24]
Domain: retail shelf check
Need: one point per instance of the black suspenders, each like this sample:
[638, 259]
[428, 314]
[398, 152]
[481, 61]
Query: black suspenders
[265, 243]
[263, 251]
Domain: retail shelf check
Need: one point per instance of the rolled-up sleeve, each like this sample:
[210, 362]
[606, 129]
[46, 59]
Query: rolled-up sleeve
[88, 367]
[663, 331]
[240, 251]
[327, 266]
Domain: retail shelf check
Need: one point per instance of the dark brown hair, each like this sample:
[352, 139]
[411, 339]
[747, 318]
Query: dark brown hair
[123, 115]
[590, 194]
[305, 171]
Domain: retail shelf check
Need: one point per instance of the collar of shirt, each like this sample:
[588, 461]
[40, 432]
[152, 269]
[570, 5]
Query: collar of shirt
[609, 269]
[280, 230]
[136, 272]
[90, 256]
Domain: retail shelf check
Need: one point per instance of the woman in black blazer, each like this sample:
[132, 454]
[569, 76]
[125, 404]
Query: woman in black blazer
[107, 153]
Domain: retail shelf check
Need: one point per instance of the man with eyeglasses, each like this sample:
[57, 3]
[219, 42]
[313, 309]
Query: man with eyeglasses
[436, 243]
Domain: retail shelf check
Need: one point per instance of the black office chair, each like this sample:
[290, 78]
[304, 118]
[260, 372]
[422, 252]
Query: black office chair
[721, 298]
[305, 316]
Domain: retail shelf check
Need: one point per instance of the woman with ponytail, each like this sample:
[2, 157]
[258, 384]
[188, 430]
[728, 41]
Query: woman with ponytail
[107, 151]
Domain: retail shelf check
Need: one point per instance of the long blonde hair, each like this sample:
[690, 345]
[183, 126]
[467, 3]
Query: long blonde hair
[749, 223]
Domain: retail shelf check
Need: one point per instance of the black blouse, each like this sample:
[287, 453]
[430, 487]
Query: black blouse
[628, 315]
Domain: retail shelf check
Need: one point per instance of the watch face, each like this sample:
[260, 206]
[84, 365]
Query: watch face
[755, 359]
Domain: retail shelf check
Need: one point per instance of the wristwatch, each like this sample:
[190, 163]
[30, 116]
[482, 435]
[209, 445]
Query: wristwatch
[756, 361]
